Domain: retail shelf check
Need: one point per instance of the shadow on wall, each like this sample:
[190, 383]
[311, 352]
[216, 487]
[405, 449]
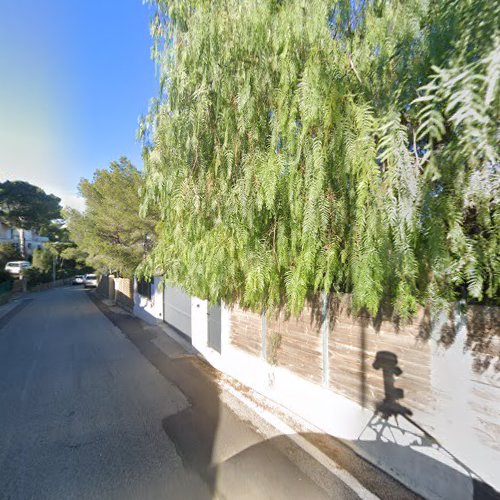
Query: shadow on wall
[124, 300]
[483, 335]
[389, 433]
[117, 290]
[102, 288]
[141, 311]
[483, 338]
[466, 341]
[388, 362]
[444, 480]
[392, 433]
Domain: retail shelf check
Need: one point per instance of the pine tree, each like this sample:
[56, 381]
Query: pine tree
[110, 234]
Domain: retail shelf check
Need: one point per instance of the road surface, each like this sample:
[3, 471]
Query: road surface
[88, 410]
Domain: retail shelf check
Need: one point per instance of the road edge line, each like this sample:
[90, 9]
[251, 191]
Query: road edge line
[305, 445]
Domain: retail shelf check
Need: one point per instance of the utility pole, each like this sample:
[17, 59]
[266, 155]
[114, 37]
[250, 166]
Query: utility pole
[54, 269]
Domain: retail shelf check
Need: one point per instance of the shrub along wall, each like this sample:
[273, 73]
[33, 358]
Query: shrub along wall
[50, 284]
[5, 291]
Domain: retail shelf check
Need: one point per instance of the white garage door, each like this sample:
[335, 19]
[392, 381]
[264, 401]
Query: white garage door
[178, 309]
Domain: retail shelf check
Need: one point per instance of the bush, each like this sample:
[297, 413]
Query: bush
[35, 277]
[42, 259]
[5, 286]
[8, 252]
[5, 276]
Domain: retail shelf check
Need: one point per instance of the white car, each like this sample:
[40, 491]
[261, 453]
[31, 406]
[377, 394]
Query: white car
[17, 267]
[90, 280]
[78, 280]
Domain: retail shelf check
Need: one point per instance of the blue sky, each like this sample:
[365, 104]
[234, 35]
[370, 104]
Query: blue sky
[75, 75]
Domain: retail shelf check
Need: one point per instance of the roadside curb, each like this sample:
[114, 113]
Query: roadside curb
[11, 303]
[180, 340]
[7, 307]
[276, 422]
[295, 427]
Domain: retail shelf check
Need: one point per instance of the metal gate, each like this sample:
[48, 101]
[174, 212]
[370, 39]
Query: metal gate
[177, 309]
[214, 327]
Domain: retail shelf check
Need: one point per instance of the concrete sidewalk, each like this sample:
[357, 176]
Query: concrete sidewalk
[238, 442]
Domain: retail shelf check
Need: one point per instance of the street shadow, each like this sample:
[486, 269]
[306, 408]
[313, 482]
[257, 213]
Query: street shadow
[390, 437]
[382, 440]
[192, 430]
[103, 287]
[266, 461]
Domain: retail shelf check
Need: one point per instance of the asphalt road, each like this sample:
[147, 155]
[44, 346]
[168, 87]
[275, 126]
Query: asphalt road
[88, 410]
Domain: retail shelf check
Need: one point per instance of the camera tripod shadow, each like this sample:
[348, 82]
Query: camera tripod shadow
[391, 431]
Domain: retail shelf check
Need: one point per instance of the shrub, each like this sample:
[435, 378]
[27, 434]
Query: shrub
[8, 252]
[35, 277]
[5, 276]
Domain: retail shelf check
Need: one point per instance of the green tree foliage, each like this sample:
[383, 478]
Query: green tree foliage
[25, 206]
[35, 276]
[67, 258]
[8, 252]
[299, 146]
[43, 258]
[72, 253]
[56, 231]
[110, 231]
[5, 277]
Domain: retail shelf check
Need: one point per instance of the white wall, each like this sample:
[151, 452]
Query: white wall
[32, 240]
[434, 470]
[153, 310]
[150, 310]
[199, 328]
[199, 324]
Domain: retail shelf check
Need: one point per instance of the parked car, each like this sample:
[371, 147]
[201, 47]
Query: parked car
[90, 280]
[78, 280]
[17, 267]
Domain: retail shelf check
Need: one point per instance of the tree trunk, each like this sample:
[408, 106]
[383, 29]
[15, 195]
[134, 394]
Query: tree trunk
[22, 243]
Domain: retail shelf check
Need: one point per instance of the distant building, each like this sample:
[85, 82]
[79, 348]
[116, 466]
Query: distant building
[32, 240]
